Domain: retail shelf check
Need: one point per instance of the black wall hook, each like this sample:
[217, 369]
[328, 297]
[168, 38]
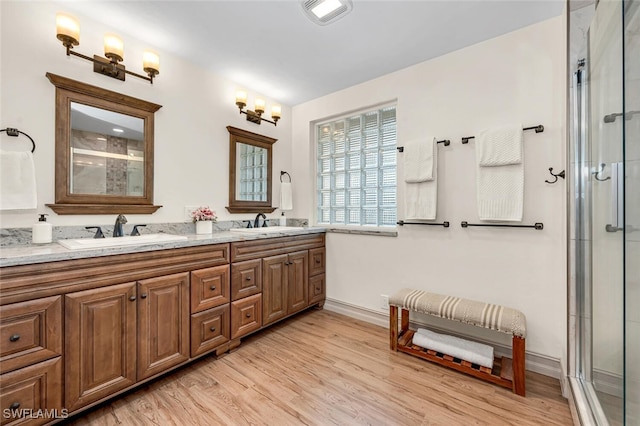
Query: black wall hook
[556, 176]
[282, 173]
[597, 173]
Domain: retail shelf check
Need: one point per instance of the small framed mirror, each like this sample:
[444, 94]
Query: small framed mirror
[104, 150]
[250, 166]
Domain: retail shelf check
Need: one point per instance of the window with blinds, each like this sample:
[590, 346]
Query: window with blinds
[356, 169]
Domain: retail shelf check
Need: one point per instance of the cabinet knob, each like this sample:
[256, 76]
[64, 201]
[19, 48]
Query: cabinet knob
[213, 287]
[212, 329]
[248, 315]
[14, 338]
[143, 296]
[317, 260]
[317, 288]
[132, 298]
[14, 406]
[248, 278]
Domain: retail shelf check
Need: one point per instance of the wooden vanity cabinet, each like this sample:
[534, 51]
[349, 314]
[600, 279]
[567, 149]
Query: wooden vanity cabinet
[285, 285]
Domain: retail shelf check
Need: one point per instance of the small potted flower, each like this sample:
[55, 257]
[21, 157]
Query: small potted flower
[204, 218]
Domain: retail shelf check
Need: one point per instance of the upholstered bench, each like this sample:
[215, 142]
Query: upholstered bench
[505, 372]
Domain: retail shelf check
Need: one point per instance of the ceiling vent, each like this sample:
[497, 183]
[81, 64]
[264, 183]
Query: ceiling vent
[324, 12]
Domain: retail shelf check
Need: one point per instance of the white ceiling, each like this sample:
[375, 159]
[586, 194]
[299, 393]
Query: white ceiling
[271, 47]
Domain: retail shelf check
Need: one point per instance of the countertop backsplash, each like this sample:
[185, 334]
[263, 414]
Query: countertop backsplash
[15, 237]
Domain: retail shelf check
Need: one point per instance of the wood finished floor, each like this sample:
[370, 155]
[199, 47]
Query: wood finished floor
[322, 368]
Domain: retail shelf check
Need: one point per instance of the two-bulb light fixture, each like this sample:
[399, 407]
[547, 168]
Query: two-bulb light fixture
[68, 32]
[260, 104]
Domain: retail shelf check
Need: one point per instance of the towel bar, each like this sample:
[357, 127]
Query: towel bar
[402, 223]
[539, 129]
[446, 142]
[538, 225]
[15, 132]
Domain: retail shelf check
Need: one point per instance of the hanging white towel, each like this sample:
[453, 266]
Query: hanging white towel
[474, 352]
[500, 174]
[421, 198]
[17, 181]
[286, 196]
[419, 160]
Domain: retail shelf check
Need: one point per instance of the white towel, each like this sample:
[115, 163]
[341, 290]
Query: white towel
[421, 198]
[286, 197]
[500, 146]
[473, 352]
[17, 181]
[500, 174]
[419, 163]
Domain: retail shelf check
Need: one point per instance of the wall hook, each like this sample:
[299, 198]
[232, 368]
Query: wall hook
[556, 176]
[598, 172]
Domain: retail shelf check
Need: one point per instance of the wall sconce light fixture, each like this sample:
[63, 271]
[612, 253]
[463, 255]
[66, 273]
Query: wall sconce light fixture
[256, 116]
[68, 32]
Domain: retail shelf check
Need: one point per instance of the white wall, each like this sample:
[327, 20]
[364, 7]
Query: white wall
[518, 77]
[191, 140]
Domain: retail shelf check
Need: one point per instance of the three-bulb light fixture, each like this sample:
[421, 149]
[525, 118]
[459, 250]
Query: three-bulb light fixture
[260, 104]
[68, 32]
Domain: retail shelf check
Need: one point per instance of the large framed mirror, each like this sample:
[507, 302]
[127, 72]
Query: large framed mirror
[104, 150]
[250, 165]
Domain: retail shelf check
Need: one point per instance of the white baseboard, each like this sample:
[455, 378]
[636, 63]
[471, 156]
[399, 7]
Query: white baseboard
[607, 382]
[537, 363]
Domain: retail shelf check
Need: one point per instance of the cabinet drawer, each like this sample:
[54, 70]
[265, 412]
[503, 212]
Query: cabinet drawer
[33, 388]
[209, 288]
[246, 315]
[317, 260]
[209, 329]
[317, 289]
[30, 332]
[246, 278]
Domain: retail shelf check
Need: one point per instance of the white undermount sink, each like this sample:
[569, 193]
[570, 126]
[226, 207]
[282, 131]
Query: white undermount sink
[89, 243]
[267, 229]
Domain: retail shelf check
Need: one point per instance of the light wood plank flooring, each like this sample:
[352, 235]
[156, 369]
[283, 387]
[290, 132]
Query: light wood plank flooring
[322, 368]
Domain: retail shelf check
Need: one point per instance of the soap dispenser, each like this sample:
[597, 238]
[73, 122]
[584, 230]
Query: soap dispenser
[283, 220]
[42, 231]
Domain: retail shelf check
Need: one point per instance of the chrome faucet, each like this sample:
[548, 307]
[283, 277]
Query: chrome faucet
[117, 229]
[256, 222]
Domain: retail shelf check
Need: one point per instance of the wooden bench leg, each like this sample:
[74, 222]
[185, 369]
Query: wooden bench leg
[404, 322]
[393, 327]
[517, 350]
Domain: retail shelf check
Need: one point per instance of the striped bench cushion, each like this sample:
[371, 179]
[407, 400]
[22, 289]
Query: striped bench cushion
[487, 315]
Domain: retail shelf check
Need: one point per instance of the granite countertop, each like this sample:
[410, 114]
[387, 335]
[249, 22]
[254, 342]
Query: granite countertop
[32, 254]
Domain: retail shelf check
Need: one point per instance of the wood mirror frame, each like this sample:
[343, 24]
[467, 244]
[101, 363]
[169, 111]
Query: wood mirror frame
[243, 136]
[68, 91]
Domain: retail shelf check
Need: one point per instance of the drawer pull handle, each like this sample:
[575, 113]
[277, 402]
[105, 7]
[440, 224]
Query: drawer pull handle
[248, 315]
[143, 296]
[248, 278]
[213, 287]
[14, 338]
[132, 298]
[212, 329]
[317, 288]
[14, 406]
[317, 260]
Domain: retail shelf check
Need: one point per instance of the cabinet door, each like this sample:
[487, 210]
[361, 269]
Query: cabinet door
[274, 288]
[163, 323]
[209, 288]
[30, 332]
[298, 284]
[30, 389]
[100, 343]
[246, 278]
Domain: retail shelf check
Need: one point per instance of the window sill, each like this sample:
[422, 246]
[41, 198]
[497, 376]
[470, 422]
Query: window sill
[378, 232]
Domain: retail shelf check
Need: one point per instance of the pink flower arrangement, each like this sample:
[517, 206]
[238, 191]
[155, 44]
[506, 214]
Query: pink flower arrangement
[203, 213]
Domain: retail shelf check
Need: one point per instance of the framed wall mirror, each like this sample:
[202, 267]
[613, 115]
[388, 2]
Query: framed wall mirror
[104, 150]
[250, 165]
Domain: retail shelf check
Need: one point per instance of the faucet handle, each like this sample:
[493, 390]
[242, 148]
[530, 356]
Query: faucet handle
[98, 229]
[249, 225]
[135, 232]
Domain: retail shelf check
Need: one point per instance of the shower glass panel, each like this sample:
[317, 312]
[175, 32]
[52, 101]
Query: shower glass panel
[605, 213]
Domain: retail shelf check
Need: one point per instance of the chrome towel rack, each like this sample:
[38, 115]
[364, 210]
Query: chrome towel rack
[15, 132]
[539, 129]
